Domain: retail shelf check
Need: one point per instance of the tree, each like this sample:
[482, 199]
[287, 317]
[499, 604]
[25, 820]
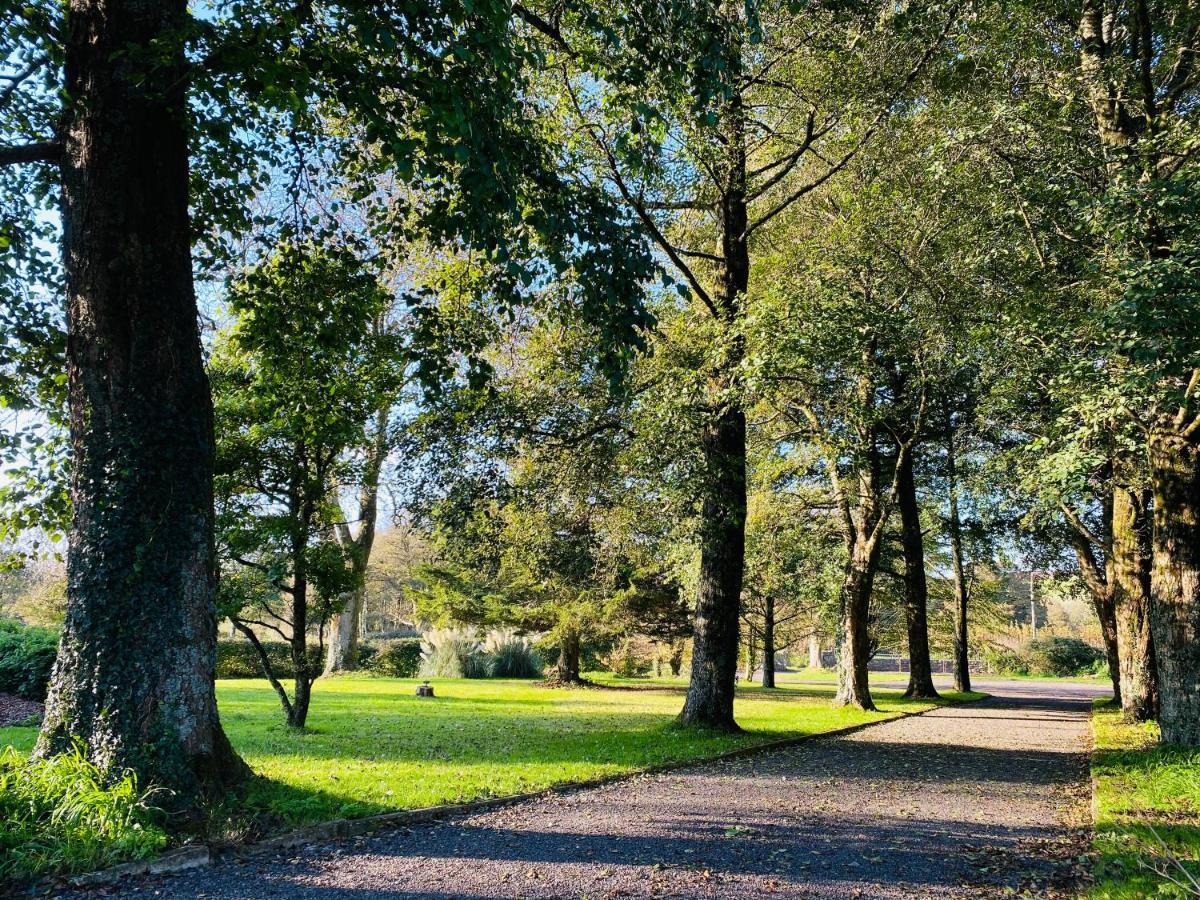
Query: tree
[134, 675]
[665, 104]
[298, 377]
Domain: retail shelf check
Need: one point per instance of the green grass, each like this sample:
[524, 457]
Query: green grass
[372, 746]
[1142, 790]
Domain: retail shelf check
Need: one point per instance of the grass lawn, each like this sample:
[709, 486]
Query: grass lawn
[372, 746]
[1142, 789]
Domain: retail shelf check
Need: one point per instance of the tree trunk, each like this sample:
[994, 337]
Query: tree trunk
[134, 677]
[723, 511]
[1175, 584]
[855, 642]
[343, 634]
[916, 592]
[568, 658]
[1130, 583]
[676, 659]
[297, 713]
[722, 553]
[768, 678]
[347, 623]
[751, 655]
[962, 660]
[814, 651]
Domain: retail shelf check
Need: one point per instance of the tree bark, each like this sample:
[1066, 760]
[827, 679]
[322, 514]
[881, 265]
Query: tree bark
[751, 656]
[814, 651]
[916, 591]
[1130, 585]
[1175, 584]
[134, 677]
[768, 677]
[854, 639]
[962, 660]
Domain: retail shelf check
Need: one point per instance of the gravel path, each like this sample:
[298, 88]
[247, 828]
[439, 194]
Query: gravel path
[973, 800]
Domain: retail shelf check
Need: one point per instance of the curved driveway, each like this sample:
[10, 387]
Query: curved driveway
[973, 800]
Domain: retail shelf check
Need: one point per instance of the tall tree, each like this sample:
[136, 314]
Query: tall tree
[667, 103]
[298, 376]
[134, 676]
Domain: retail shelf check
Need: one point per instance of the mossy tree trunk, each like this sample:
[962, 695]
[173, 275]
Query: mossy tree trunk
[134, 677]
[1130, 585]
[1175, 583]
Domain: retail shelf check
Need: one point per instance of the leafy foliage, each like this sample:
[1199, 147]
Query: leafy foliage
[63, 815]
[26, 657]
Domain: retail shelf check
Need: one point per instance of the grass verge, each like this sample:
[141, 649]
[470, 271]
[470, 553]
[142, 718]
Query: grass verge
[1147, 811]
[373, 746]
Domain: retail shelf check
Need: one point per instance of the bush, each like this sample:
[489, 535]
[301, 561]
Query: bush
[26, 657]
[509, 655]
[632, 657]
[62, 815]
[397, 659]
[452, 653]
[1006, 662]
[239, 659]
[1060, 656]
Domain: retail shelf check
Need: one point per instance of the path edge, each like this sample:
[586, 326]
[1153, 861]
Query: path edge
[194, 856]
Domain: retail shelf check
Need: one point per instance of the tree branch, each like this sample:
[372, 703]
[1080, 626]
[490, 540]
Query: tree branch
[40, 151]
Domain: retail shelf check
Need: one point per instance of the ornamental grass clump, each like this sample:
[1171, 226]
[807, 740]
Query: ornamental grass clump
[511, 655]
[452, 653]
[61, 816]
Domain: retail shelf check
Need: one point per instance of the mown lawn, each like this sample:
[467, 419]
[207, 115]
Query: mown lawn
[1147, 805]
[372, 746]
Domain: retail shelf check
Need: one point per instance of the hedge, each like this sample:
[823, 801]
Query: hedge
[26, 656]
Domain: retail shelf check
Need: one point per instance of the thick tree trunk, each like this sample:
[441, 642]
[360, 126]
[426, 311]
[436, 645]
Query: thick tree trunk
[134, 677]
[1175, 584]
[768, 678]
[1130, 586]
[722, 554]
[962, 659]
[855, 641]
[568, 658]
[1100, 585]
[916, 592]
[814, 651]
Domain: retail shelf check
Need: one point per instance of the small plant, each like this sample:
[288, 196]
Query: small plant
[452, 653]
[62, 815]
[510, 655]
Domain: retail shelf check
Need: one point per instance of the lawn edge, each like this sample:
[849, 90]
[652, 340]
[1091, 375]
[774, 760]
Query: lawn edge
[193, 856]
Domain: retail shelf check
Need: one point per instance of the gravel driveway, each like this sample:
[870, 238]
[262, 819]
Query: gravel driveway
[973, 800]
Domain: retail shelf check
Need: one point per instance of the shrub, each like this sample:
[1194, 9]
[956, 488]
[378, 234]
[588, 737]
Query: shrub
[397, 659]
[62, 815]
[452, 653]
[1060, 656]
[631, 657]
[239, 659]
[26, 657]
[509, 655]
[1006, 662]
